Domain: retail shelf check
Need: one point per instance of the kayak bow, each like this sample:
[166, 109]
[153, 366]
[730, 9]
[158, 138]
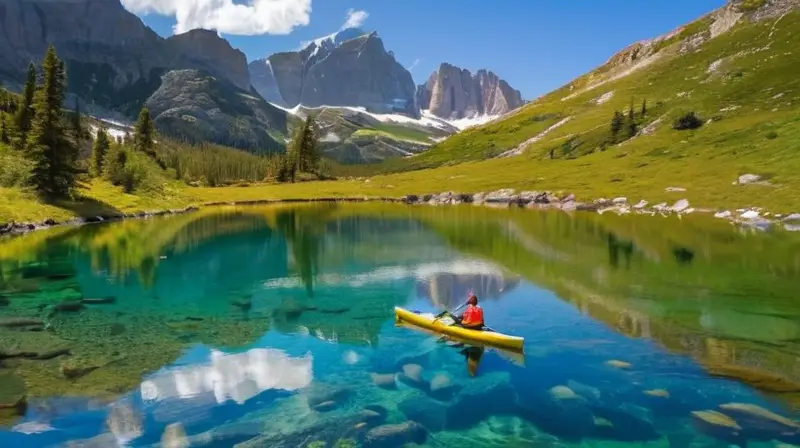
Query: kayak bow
[487, 337]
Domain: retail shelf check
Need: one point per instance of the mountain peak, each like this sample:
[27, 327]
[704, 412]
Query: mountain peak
[455, 93]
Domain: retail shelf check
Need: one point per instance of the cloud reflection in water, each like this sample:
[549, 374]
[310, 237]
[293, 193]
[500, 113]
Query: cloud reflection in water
[237, 377]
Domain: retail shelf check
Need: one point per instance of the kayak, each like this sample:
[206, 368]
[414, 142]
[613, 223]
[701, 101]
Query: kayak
[487, 337]
[515, 356]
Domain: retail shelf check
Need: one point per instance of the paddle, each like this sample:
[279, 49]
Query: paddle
[446, 312]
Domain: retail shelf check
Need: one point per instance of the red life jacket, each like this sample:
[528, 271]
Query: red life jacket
[472, 316]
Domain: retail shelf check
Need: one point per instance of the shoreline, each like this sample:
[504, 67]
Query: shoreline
[753, 217]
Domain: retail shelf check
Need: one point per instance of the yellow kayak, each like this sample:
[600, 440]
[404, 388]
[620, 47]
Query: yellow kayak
[487, 337]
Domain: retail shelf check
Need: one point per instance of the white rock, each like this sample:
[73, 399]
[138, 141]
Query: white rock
[751, 214]
[675, 189]
[680, 206]
[642, 204]
[661, 207]
[745, 179]
[792, 217]
[726, 214]
[620, 200]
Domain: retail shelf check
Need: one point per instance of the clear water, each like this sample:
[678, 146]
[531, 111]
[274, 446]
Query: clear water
[274, 327]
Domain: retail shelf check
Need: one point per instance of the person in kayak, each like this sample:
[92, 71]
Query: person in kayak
[472, 317]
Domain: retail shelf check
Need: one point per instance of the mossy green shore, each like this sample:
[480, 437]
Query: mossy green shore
[102, 199]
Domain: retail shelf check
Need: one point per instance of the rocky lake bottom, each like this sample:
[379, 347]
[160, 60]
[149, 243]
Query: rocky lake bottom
[273, 327]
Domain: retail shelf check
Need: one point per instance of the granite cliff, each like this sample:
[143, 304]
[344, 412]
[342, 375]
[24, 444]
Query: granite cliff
[455, 93]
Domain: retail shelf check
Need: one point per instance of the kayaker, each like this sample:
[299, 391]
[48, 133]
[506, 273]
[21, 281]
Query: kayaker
[472, 317]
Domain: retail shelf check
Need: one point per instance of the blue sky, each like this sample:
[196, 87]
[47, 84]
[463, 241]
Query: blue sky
[536, 45]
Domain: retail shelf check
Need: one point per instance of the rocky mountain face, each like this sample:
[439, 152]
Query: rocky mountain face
[115, 62]
[349, 68]
[454, 93]
[196, 107]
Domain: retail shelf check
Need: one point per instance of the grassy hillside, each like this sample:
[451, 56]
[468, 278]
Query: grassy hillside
[741, 84]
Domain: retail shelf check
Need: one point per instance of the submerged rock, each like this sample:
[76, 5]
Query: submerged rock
[398, 435]
[384, 380]
[21, 322]
[619, 364]
[124, 421]
[324, 394]
[12, 393]
[657, 393]
[755, 417]
[716, 419]
[563, 393]
[174, 437]
[99, 300]
[69, 307]
[583, 390]
[413, 372]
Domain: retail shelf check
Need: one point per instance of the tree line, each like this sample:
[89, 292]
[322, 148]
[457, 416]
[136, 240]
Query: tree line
[44, 143]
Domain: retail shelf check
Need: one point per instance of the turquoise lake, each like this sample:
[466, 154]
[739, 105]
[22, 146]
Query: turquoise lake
[274, 327]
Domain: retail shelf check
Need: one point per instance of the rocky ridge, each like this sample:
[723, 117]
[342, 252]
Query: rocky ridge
[350, 68]
[455, 93]
[196, 107]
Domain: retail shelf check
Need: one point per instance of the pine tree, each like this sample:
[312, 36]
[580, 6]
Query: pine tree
[99, 151]
[309, 157]
[54, 156]
[25, 112]
[143, 133]
[4, 137]
[632, 127]
[644, 107]
[616, 124]
[630, 112]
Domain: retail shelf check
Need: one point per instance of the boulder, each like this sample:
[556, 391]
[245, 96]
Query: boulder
[174, 436]
[323, 393]
[745, 179]
[124, 421]
[680, 206]
[756, 419]
[504, 196]
[12, 392]
[384, 380]
[391, 436]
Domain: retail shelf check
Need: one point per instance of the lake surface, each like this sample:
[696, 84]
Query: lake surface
[274, 327]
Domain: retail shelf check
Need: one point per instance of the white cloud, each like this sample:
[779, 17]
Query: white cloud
[255, 17]
[355, 18]
[413, 65]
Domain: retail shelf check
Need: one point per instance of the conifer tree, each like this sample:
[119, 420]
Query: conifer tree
[616, 124]
[54, 156]
[309, 157]
[4, 134]
[143, 133]
[99, 150]
[644, 107]
[25, 112]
